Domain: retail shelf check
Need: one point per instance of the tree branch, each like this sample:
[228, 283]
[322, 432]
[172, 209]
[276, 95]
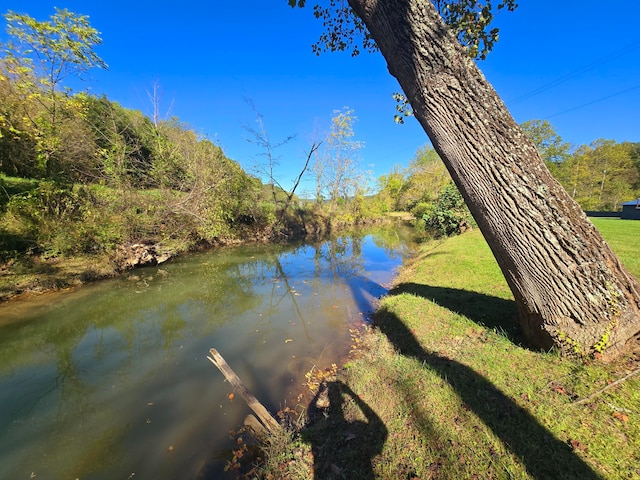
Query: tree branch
[604, 389]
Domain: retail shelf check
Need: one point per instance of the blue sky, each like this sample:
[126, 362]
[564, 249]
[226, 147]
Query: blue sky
[210, 57]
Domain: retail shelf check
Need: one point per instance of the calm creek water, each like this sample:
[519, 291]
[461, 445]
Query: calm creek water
[111, 380]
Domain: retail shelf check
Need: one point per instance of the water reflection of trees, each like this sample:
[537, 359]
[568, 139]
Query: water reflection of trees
[215, 291]
[395, 242]
[61, 359]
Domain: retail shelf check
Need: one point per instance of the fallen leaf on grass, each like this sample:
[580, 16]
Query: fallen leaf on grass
[621, 416]
[578, 445]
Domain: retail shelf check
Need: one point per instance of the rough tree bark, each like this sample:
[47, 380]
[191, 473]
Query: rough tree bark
[571, 290]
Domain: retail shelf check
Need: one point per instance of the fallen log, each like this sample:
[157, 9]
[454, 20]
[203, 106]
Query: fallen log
[252, 423]
[263, 414]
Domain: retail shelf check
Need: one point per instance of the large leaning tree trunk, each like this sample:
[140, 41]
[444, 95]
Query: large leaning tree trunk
[571, 290]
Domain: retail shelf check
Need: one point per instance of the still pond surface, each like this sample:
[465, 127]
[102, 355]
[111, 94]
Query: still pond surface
[111, 380]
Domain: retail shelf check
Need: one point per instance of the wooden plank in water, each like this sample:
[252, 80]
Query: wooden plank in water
[263, 414]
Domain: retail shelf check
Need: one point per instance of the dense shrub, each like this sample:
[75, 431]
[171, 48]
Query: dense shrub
[49, 219]
[448, 215]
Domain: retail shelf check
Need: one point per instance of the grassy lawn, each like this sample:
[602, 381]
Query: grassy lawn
[442, 388]
[624, 238]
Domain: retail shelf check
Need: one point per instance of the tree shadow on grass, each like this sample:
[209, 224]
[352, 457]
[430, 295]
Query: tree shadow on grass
[342, 448]
[491, 312]
[543, 455]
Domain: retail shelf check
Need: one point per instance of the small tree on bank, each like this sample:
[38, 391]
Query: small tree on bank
[342, 174]
[40, 58]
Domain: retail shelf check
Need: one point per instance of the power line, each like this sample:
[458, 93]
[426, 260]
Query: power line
[573, 74]
[594, 101]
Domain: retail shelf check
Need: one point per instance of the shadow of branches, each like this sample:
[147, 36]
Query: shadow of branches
[543, 455]
[489, 311]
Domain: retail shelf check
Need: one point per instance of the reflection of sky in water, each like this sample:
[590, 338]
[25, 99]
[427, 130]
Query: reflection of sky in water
[112, 379]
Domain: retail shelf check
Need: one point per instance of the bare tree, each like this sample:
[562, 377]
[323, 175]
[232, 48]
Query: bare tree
[341, 174]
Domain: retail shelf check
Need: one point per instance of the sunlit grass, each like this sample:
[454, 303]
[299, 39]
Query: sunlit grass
[14, 185]
[444, 371]
[623, 236]
[34, 275]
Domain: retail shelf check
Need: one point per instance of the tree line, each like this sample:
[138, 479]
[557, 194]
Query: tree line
[599, 177]
[82, 174]
[95, 174]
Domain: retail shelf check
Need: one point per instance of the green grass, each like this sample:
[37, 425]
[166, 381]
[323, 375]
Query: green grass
[623, 236]
[444, 389]
[10, 186]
